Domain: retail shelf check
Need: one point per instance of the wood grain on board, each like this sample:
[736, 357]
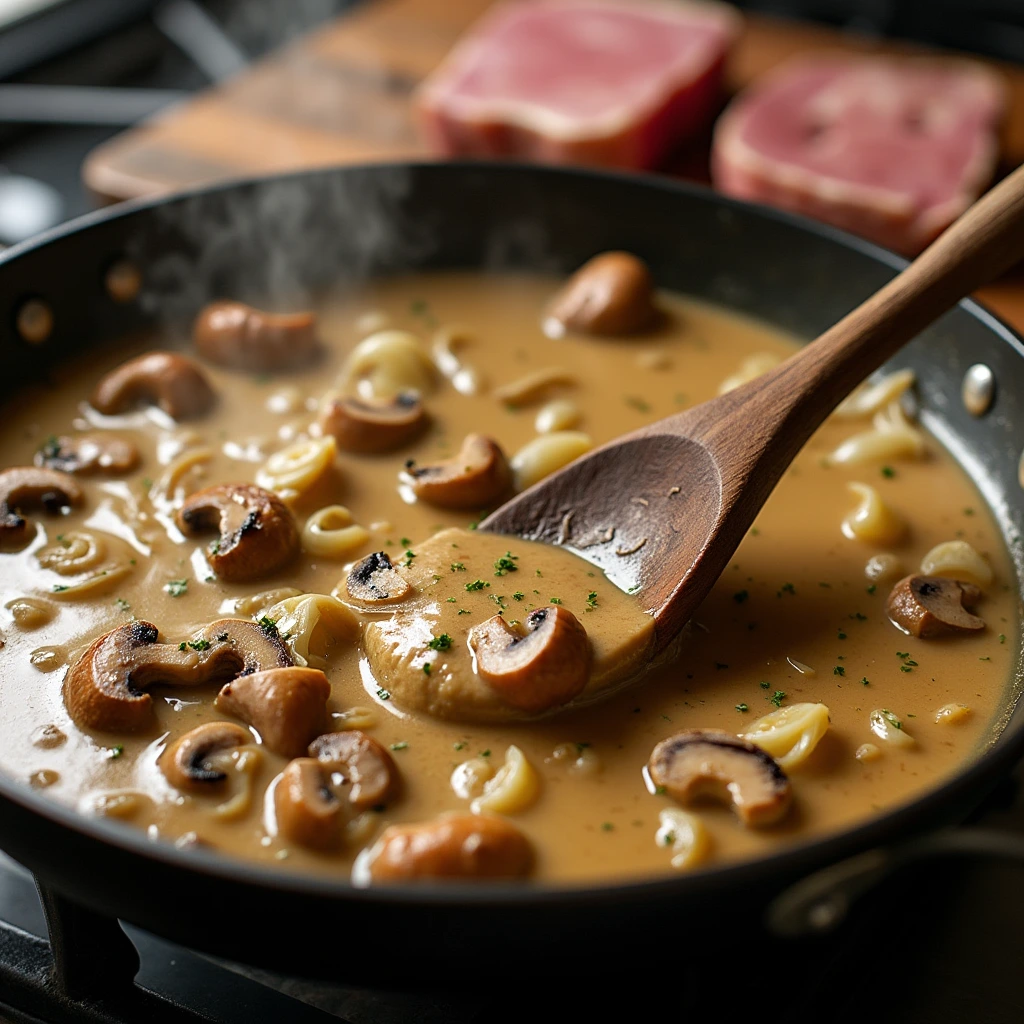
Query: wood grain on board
[341, 95]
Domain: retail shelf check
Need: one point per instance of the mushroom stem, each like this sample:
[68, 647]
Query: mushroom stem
[22, 486]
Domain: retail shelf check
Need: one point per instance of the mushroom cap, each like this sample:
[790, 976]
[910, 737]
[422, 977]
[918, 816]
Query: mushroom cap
[711, 762]
[88, 453]
[258, 533]
[375, 581]
[185, 762]
[927, 606]
[21, 486]
[167, 379]
[542, 669]
[242, 337]
[369, 769]
[475, 478]
[105, 688]
[611, 294]
[452, 846]
[286, 706]
[308, 810]
[375, 426]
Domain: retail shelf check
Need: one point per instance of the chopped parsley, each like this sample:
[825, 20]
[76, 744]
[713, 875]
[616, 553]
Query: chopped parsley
[506, 564]
[199, 645]
[383, 694]
[176, 588]
[116, 751]
[440, 643]
[872, 588]
[485, 753]
[464, 611]
[518, 596]
[786, 588]
[477, 585]
[401, 745]
[60, 587]
[637, 403]
[122, 604]
[777, 698]
[888, 472]
[268, 625]
[459, 746]
[607, 826]
[458, 567]
[742, 707]
[865, 681]
[556, 600]
[1002, 638]
[591, 600]
[405, 542]
[891, 718]
[839, 670]
[427, 668]
[740, 596]
[660, 791]
[451, 600]
[841, 635]
[764, 685]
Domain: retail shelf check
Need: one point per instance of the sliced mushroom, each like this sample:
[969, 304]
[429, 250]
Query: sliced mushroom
[22, 486]
[258, 533]
[308, 810]
[932, 605]
[88, 453]
[376, 581]
[186, 762]
[475, 478]
[452, 846]
[375, 426]
[167, 379]
[540, 669]
[105, 688]
[368, 769]
[286, 706]
[710, 762]
[610, 294]
[245, 338]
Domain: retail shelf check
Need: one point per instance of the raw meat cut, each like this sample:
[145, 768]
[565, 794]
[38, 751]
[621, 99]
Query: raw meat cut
[612, 82]
[891, 149]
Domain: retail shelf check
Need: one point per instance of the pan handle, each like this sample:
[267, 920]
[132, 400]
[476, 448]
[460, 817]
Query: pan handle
[819, 903]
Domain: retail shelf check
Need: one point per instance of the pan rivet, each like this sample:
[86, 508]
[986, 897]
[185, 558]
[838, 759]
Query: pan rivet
[34, 321]
[978, 389]
[123, 281]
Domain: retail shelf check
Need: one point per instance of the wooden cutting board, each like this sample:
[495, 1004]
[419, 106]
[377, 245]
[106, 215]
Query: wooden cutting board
[341, 95]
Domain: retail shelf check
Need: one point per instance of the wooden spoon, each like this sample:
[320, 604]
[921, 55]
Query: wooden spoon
[662, 510]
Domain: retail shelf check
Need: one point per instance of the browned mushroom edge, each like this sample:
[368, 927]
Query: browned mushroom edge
[477, 477]
[539, 669]
[258, 533]
[373, 427]
[308, 810]
[366, 767]
[242, 337]
[88, 453]
[452, 846]
[287, 706]
[186, 762]
[375, 581]
[717, 764]
[166, 379]
[24, 486]
[927, 606]
[611, 294]
[105, 688]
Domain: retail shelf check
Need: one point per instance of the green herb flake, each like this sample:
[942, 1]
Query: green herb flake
[60, 587]
[637, 403]
[840, 635]
[865, 681]
[459, 746]
[176, 588]
[742, 707]
[660, 791]
[888, 472]
[116, 751]
[440, 643]
[506, 564]
[427, 668]
[401, 745]
[839, 670]
[383, 694]
[518, 596]
[268, 625]
[591, 600]
[871, 589]
[764, 685]
[1002, 638]
[740, 596]
[485, 753]
[199, 645]
[477, 585]
[183, 646]
[786, 588]
[607, 826]
[556, 600]
[777, 698]
[464, 611]
[458, 567]
[405, 542]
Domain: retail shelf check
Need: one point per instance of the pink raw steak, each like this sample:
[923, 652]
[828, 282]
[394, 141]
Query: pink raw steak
[612, 82]
[893, 150]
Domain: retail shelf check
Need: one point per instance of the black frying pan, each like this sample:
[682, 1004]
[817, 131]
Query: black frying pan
[280, 239]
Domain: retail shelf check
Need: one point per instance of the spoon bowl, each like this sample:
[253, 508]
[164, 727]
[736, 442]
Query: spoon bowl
[663, 509]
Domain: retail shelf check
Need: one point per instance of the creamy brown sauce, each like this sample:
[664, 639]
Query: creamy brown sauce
[796, 591]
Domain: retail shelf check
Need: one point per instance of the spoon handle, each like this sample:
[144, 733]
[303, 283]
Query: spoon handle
[987, 240]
